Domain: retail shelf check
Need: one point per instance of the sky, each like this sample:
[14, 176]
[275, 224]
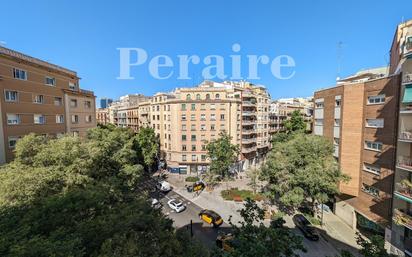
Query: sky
[84, 36]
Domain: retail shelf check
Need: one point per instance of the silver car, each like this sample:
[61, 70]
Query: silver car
[176, 205]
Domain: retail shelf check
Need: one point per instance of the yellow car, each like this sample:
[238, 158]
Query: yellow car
[211, 217]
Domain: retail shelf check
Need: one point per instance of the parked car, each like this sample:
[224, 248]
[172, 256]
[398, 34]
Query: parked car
[176, 205]
[156, 203]
[164, 186]
[197, 186]
[306, 227]
[211, 217]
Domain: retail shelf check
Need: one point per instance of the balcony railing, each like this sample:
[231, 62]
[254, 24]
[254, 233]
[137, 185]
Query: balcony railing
[248, 149]
[248, 131]
[248, 140]
[407, 78]
[403, 190]
[405, 136]
[404, 162]
[402, 218]
[248, 122]
[248, 113]
[249, 103]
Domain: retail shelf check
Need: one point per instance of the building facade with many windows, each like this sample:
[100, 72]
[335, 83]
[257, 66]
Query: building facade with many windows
[36, 97]
[359, 116]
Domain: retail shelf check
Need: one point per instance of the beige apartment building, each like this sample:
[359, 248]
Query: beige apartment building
[401, 65]
[359, 116]
[187, 118]
[35, 98]
[102, 116]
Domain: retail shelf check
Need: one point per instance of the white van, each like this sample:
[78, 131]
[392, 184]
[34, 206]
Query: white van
[164, 186]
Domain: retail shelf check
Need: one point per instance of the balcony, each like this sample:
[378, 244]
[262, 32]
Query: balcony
[408, 47]
[404, 163]
[248, 140]
[407, 79]
[248, 149]
[248, 122]
[402, 218]
[248, 113]
[405, 136]
[403, 190]
[249, 103]
[248, 131]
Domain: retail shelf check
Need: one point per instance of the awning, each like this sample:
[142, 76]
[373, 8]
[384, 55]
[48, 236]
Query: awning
[407, 94]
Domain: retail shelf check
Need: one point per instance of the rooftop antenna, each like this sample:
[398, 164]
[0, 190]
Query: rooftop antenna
[339, 59]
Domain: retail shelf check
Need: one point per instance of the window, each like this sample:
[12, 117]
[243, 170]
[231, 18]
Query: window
[217, 96]
[192, 117]
[198, 97]
[75, 119]
[11, 96]
[203, 127]
[183, 116]
[188, 97]
[88, 118]
[12, 142]
[207, 96]
[212, 107]
[202, 116]
[374, 123]
[222, 126]
[375, 146]
[193, 147]
[222, 117]
[319, 122]
[203, 147]
[39, 99]
[373, 191]
[19, 74]
[184, 157]
[183, 137]
[58, 101]
[184, 127]
[372, 168]
[72, 85]
[338, 102]
[213, 116]
[212, 127]
[193, 127]
[87, 104]
[194, 158]
[319, 105]
[193, 108]
[73, 103]
[203, 107]
[184, 148]
[50, 81]
[193, 138]
[203, 157]
[13, 119]
[183, 107]
[59, 118]
[376, 99]
[39, 119]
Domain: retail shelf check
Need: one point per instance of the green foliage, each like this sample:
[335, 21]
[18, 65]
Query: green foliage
[252, 238]
[295, 123]
[223, 154]
[191, 179]
[374, 247]
[148, 143]
[302, 171]
[234, 193]
[74, 197]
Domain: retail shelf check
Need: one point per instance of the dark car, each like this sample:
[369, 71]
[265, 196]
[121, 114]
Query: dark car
[306, 227]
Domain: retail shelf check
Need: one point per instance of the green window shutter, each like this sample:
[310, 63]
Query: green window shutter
[407, 94]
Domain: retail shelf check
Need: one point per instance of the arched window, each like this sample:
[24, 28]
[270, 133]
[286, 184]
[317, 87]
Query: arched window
[217, 96]
[188, 97]
[198, 97]
[207, 96]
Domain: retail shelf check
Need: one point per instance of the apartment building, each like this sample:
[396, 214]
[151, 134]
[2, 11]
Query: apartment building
[35, 98]
[401, 65]
[359, 116]
[281, 109]
[102, 116]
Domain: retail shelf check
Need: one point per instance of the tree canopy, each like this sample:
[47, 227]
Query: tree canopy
[302, 170]
[295, 123]
[222, 154]
[74, 197]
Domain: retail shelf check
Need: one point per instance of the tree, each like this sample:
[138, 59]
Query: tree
[295, 123]
[74, 197]
[252, 238]
[222, 154]
[253, 175]
[374, 247]
[149, 146]
[302, 171]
